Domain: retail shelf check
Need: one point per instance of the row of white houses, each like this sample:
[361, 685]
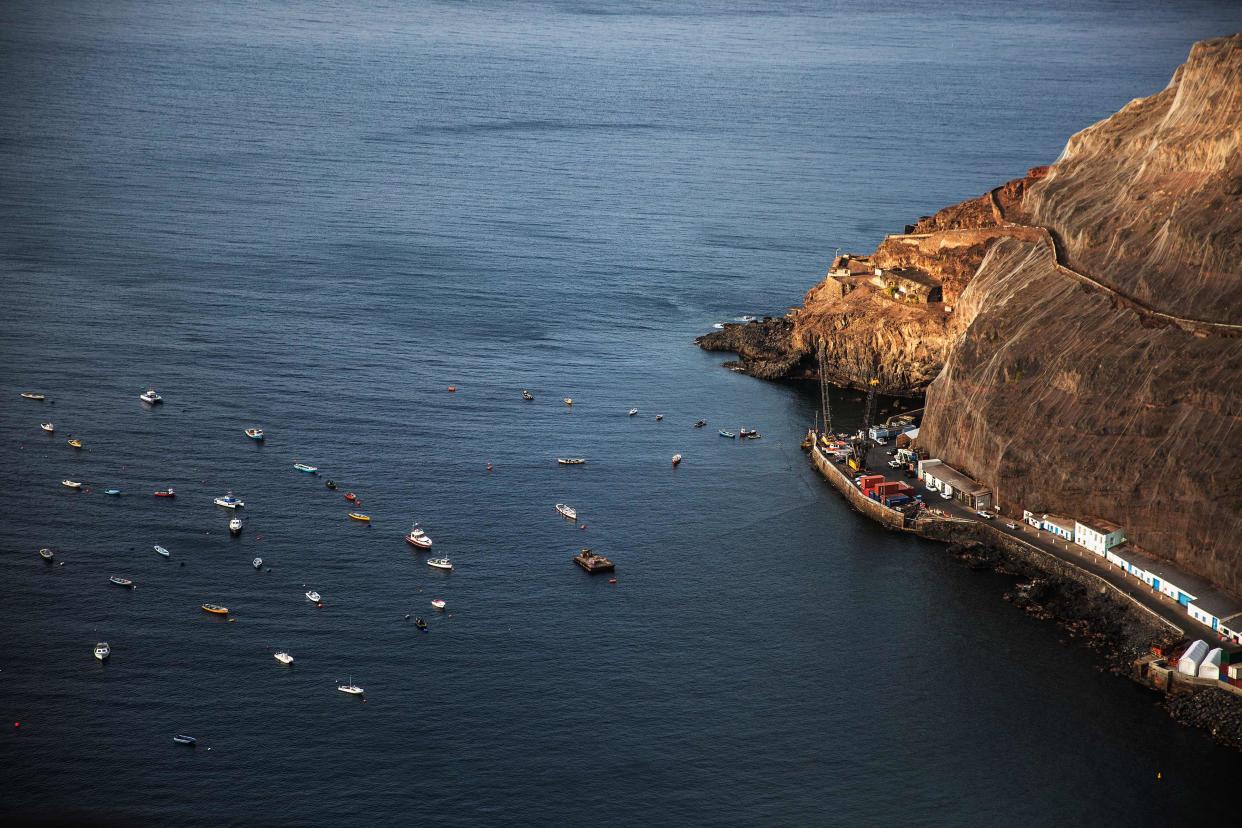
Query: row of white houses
[1203, 603]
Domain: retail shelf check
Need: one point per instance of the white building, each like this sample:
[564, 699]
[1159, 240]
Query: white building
[1203, 617]
[939, 476]
[1059, 526]
[1098, 535]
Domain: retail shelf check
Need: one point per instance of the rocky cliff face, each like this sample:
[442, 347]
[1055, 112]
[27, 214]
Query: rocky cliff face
[1084, 360]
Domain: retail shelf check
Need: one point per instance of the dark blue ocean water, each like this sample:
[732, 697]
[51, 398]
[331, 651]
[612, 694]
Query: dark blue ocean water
[315, 217]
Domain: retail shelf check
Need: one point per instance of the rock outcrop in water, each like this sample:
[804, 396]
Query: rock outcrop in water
[1087, 355]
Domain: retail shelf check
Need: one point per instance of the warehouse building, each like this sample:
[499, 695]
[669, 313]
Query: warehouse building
[1060, 526]
[939, 476]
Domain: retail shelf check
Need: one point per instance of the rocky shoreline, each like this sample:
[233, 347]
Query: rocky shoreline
[1112, 629]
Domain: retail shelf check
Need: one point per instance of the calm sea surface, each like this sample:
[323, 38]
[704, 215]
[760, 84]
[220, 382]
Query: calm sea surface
[314, 218]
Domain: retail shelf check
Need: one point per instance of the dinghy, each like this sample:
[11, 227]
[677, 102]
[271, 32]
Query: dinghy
[312, 596]
[48, 427]
[113, 492]
[46, 554]
[438, 603]
[182, 739]
[569, 401]
[302, 467]
[633, 412]
[360, 517]
[526, 395]
[257, 563]
[283, 658]
[331, 484]
[76, 443]
[676, 460]
[159, 550]
[215, 609]
[571, 461]
[351, 497]
[30, 395]
[568, 512]
[728, 434]
[119, 581]
[71, 484]
[700, 423]
[254, 433]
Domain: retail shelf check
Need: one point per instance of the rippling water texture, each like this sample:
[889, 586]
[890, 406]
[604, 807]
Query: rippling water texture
[314, 218]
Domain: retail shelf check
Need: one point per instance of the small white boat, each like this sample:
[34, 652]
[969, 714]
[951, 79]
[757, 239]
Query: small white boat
[526, 395]
[149, 396]
[162, 551]
[30, 395]
[182, 739]
[659, 417]
[633, 412]
[50, 428]
[102, 650]
[46, 554]
[438, 603]
[257, 563]
[569, 401]
[351, 688]
[568, 512]
[71, 484]
[254, 433]
[283, 658]
[302, 467]
[235, 526]
[228, 501]
[676, 460]
[119, 581]
[571, 461]
[439, 563]
[312, 596]
[418, 537]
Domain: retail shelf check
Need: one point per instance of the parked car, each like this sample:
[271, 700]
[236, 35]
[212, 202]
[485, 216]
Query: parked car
[946, 495]
[986, 515]
[1011, 526]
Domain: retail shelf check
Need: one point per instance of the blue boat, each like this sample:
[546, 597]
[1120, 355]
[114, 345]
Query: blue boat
[112, 491]
[728, 434]
[302, 467]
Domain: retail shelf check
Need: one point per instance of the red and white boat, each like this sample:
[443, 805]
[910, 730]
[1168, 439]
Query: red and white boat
[166, 492]
[418, 537]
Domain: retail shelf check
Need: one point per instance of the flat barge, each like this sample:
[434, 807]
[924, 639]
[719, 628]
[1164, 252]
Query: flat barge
[593, 563]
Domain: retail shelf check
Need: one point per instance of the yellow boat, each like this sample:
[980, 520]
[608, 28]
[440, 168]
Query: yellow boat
[360, 516]
[76, 443]
[216, 609]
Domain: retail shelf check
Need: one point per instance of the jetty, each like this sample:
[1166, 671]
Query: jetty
[593, 563]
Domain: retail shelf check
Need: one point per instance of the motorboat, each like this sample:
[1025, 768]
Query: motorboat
[182, 739]
[112, 492]
[351, 497]
[257, 563]
[166, 492]
[215, 609]
[312, 596]
[526, 395]
[439, 563]
[676, 460]
[102, 650]
[420, 624]
[633, 412]
[417, 537]
[50, 428]
[159, 550]
[149, 396]
[659, 417]
[568, 512]
[438, 603]
[119, 581]
[331, 484]
[71, 484]
[350, 688]
[360, 517]
[30, 395]
[254, 433]
[728, 434]
[571, 461]
[569, 401]
[75, 442]
[283, 658]
[228, 501]
[452, 389]
[302, 467]
[700, 423]
[235, 526]
[46, 554]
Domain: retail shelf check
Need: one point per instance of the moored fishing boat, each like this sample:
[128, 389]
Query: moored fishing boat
[102, 651]
[302, 467]
[46, 554]
[438, 603]
[358, 516]
[568, 512]
[257, 563]
[162, 552]
[123, 582]
[228, 501]
[633, 412]
[676, 460]
[571, 461]
[420, 624]
[149, 396]
[235, 526]
[71, 484]
[75, 442]
[700, 423]
[313, 596]
[526, 395]
[169, 492]
[351, 497]
[569, 401]
[283, 658]
[728, 434]
[50, 428]
[659, 417]
[417, 537]
[215, 609]
[254, 433]
[182, 739]
[30, 395]
[439, 563]
[113, 492]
